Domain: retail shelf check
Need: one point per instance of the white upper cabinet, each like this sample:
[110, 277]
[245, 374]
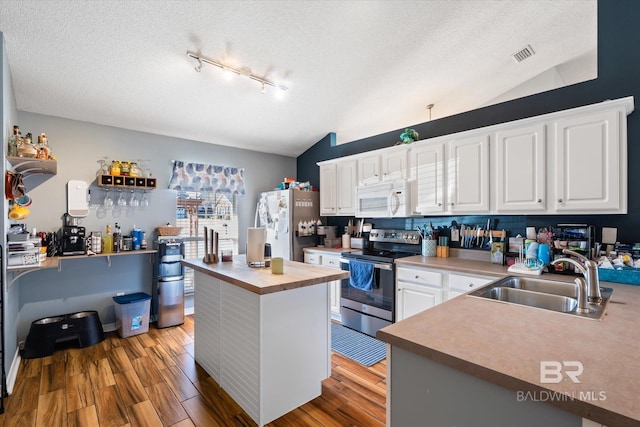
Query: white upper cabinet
[338, 180]
[382, 165]
[328, 195]
[520, 184]
[590, 170]
[394, 164]
[567, 162]
[468, 174]
[427, 172]
[346, 187]
[369, 169]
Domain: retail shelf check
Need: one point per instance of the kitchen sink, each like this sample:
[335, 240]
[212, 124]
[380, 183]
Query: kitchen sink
[566, 289]
[543, 294]
[534, 299]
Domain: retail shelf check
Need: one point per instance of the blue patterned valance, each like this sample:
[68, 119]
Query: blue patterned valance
[201, 177]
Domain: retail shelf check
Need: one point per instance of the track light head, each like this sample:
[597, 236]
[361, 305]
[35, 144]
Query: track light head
[198, 67]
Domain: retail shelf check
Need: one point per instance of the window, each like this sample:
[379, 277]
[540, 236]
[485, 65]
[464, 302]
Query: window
[197, 210]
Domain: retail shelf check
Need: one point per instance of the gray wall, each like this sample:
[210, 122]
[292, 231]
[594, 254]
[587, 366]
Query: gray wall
[90, 283]
[10, 296]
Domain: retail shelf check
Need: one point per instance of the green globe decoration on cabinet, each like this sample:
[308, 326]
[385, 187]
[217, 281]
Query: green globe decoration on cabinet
[408, 136]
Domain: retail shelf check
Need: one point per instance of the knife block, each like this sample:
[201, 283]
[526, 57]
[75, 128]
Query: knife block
[210, 247]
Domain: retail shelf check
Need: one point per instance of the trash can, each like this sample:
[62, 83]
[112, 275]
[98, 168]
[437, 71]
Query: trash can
[132, 313]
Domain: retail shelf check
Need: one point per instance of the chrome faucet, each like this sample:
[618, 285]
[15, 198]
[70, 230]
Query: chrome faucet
[581, 294]
[590, 272]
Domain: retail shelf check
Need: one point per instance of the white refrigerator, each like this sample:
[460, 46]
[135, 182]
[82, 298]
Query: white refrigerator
[280, 212]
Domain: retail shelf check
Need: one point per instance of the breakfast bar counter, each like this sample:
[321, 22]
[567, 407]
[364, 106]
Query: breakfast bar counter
[472, 361]
[265, 338]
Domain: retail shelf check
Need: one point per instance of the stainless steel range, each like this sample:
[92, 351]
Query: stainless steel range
[368, 295]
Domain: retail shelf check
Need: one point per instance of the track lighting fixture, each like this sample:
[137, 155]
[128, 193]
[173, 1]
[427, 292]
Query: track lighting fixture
[230, 71]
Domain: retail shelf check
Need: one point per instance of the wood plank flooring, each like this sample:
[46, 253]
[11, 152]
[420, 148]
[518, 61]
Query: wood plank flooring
[153, 380]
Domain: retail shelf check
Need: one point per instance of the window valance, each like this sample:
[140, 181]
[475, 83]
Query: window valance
[203, 177]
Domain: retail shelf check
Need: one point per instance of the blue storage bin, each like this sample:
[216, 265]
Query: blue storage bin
[628, 275]
[132, 313]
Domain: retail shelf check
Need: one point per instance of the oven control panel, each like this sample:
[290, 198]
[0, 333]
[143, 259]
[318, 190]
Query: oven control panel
[395, 236]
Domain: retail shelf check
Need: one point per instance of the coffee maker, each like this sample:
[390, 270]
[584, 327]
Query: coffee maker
[72, 237]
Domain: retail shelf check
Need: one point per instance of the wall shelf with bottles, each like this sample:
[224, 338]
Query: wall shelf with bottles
[130, 182]
[31, 165]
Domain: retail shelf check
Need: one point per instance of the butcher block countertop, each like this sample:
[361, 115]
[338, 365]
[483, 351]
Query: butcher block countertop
[261, 280]
[505, 343]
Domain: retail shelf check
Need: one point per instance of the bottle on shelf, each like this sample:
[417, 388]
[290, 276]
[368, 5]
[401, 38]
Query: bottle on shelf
[115, 168]
[117, 239]
[43, 147]
[27, 149]
[13, 142]
[107, 241]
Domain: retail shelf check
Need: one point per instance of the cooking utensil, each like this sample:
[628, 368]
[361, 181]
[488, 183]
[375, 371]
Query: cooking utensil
[490, 235]
[468, 237]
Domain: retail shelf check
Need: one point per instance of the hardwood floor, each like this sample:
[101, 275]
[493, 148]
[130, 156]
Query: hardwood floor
[153, 380]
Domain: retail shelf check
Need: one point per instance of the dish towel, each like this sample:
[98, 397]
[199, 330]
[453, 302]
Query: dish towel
[361, 275]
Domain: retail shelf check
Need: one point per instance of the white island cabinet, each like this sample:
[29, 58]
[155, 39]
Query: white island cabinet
[265, 338]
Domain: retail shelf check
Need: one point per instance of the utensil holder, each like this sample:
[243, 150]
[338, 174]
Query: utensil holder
[429, 247]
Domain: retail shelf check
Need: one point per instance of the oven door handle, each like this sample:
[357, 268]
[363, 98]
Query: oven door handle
[377, 266]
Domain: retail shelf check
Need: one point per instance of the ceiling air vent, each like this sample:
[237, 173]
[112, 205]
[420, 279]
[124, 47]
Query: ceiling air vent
[523, 54]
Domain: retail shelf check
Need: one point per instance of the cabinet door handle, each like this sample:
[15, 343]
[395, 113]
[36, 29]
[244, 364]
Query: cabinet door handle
[417, 277]
[559, 200]
[539, 200]
[439, 204]
[471, 285]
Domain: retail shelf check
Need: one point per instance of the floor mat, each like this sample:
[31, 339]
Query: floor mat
[357, 346]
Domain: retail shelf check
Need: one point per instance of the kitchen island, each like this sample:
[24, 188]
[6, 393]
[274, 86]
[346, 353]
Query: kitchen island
[265, 338]
[470, 361]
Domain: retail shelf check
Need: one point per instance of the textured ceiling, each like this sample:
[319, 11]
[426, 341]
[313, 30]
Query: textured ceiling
[356, 68]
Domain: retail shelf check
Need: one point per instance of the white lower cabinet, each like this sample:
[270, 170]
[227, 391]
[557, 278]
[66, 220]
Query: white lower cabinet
[462, 283]
[332, 261]
[419, 288]
[413, 298]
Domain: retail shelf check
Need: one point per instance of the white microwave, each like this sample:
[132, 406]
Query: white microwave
[387, 199]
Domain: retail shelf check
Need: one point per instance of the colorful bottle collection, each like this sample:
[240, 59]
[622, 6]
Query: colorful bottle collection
[114, 241]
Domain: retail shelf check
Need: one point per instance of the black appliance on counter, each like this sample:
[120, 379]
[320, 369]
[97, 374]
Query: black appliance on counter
[168, 288]
[72, 240]
[372, 307]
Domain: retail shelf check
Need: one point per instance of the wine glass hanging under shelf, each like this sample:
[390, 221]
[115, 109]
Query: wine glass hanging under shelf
[131, 182]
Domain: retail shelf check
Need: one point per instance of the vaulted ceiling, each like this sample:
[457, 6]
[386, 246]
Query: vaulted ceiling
[356, 68]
